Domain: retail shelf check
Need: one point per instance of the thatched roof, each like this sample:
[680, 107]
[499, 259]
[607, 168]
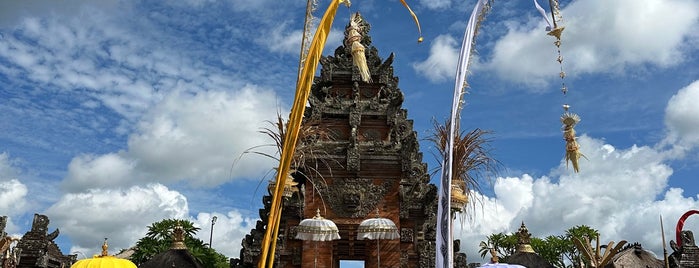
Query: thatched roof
[528, 259]
[179, 258]
[635, 256]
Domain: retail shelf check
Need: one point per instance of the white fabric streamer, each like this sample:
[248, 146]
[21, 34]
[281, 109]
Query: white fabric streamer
[543, 14]
[445, 244]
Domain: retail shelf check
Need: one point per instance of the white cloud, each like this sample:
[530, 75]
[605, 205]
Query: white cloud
[436, 4]
[188, 136]
[90, 171]
[229, 231]
[281, 39]
[12, 11]
[682, 117]
[600, 36]
[13, 193]
[620, 192]
[441, 63]
[120, 215]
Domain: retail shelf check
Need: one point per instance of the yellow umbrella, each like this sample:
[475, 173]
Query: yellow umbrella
[104, 261]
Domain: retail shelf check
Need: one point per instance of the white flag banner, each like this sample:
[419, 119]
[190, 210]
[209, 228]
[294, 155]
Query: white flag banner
[543, 14]
[445, 244]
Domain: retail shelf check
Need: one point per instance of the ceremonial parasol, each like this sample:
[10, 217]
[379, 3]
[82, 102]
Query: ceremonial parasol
[317, 229]
[376, 229]
[104, 260]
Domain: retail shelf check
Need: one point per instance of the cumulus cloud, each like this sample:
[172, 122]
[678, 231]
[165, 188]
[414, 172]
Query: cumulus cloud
[122, 215]
[229, 231]
[13, 193]
[620, 192]
[600, 37]
[193, 136]
[682, 117]
[282, 39]
[441, 63]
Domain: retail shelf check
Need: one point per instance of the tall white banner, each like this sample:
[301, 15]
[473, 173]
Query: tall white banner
[445, 244]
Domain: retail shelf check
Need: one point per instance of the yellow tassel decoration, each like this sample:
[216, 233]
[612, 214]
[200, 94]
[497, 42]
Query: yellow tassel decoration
[573, 153]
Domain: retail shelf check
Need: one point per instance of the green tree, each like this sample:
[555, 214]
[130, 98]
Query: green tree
[580, 232]
[159, 239]
[551, 248]
[557, 250]
[505, 245]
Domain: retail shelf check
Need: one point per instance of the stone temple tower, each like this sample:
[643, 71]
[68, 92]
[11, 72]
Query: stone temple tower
[367, 160]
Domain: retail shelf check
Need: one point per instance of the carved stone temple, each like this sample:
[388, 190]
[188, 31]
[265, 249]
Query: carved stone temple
[38, 249]
[368, 161]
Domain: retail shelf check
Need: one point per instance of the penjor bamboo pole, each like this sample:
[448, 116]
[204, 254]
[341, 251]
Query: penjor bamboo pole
[303, 88]
[662, 233]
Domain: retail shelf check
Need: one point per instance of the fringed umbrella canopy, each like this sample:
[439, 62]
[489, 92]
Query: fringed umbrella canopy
[104, 261]
[317, 229]
[377, 228]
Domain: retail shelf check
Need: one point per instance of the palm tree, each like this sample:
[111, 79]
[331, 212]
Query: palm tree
[473, 162]
[502, 243]
[159, 239]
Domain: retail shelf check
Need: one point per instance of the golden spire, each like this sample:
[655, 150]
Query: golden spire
[104, 248]
[524, 240]
[178, 238]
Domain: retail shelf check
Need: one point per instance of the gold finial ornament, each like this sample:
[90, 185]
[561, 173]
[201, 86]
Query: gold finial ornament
[104, 248]
[524, 240]
[353, 38]
[178, 237]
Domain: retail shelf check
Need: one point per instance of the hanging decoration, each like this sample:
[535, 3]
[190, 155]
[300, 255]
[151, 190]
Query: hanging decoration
[445, 246]
[568, 119]
[417, 22]
[353, 39]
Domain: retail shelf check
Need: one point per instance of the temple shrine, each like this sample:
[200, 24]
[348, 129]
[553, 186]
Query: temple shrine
[369, 162]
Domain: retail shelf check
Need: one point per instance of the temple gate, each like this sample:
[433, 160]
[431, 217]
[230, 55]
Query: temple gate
[362, 157]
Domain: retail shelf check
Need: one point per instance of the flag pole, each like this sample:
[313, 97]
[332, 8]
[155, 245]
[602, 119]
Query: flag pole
[662, 233]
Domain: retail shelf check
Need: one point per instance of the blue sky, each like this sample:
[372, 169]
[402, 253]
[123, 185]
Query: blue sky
[117, 114]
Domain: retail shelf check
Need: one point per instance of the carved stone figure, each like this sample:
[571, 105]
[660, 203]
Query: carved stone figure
[686, 255]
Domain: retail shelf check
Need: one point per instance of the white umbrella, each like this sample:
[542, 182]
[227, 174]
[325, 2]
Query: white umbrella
[317, 229]
[377, 229]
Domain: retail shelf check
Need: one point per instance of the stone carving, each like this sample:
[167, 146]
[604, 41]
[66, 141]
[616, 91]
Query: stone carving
[38, 248]
[354, 198]
[3, 224]
[426, 250]
[406, 235]
[687, 255]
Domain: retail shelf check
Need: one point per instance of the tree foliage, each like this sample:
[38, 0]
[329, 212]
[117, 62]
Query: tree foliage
[159, 239]
[558, 250]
